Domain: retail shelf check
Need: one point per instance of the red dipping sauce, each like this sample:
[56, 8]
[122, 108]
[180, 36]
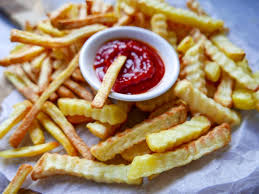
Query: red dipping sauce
[142, 70]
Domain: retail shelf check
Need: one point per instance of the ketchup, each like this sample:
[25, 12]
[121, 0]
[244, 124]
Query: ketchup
[142, 70]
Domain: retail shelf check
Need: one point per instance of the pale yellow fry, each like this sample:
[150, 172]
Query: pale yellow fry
[243, 99]
[99, 6]
[121, 141]
[126, 106]
[200, 103]
[18, 48]
[136, 150]
[60, 13]
[29, 151]
[20, 110]
[178, 135]
[44, 77]
[56, 132]
[37, 61]
[226, 63]
[244, 65]
[212, 71]
[159, 25]
[123, 20]
[14, 186]
[30, 72]
[67, 128]
[185, 44]
[150, 105]
[111, 114]
[36, 133]
[101, 130]
[46, 27]
[49, 42]
[22, 57]
[256, 97]
[83, 11]
[108, 82]
[73, 12]
[232, 51]
[224, 91]
[195, 6]
[146, 165]
[54, 164]
[172, 38]
[58, 71]
[21, 131]
[151, 7]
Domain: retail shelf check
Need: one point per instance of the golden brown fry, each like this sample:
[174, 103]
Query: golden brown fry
[77, 76]
[68, 129]
[44, 77]
[78, 90]
[101, 130]
[49, 42]
[89, 4]
[21, 131]
[18, 180]
[78, 119]
[121, 141]
[108, 82]
[36, 133]
[53, 97]
[46, 27]
[29, 151]
[64, 92]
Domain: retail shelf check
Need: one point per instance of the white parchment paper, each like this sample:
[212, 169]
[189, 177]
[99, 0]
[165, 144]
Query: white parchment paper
[234, 169]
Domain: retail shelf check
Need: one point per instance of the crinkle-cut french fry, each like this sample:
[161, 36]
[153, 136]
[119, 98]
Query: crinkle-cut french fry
[99, 6]
[159, 25]
[21, 131]
[122, 7]
[136, 150]
[44, 77]
[178, 135]
[212, 71]
[256, 97]
[101, 130]
[28, 69]
[185, 44]
[199, 102]
[123, 20]
[82, 11]
[150, 105]
[224, 91]
[57, 133]
[54, 164]
[121, 141]
[36, 133]
[50, 42]
[102, 18]
[77, 76]
[126, 106]
[151, 7]
[244, 65]
[226, 63]
[211, 88]
[20, 110]
[60, 13]
[146, 165]
[22, 57]
[111, 114]
[67, 128]
[243, 99]
[37, 61]
[78, 89]
[29, 151]
[46, 27]
[140, 20]
[231, 50]
[64, 92]
[108, 82]
[172, 38]
[27, 92]
[18, 180]
[195, 6]
[181, 30]
[194, 67]
[77, 119]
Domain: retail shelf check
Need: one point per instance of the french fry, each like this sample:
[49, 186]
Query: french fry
[58, 63]
[99, 6]
[185, 44]
[56, 132]
[126, 106]
[226, 63]
[78, 89]
[22, 57]
[136, 150]
[53, 164]
[76, 119]
[102, 18]
[194, 5]
[231, 50]
[125, 8]
[46, 27]
[223, 94]
[159, 25]
[172, 38]
[20, 110]
[199, 102]
[37, 61]
[111, 114]
[101, 130]
[243, 99]
[44, 77]
[28, 69]
[18, 48]
[50, 42]
[64, 92]
[82, 11]
[18, 180]
[108, 82]
[140, 20]
[123, 20]
[59, 70]
[256, 97]
[73, 13]
[68, 129]
[146, 165]
[29, 151]
[77, 76]
[53, 97]
[36, 133]
[121, 141]
[151, 7]
[212, 71]
[89, 4]
[150, 105]
[178, 135]
[244, 65]
[21, 131]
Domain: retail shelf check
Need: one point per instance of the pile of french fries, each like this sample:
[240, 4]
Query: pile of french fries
[190, 120]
